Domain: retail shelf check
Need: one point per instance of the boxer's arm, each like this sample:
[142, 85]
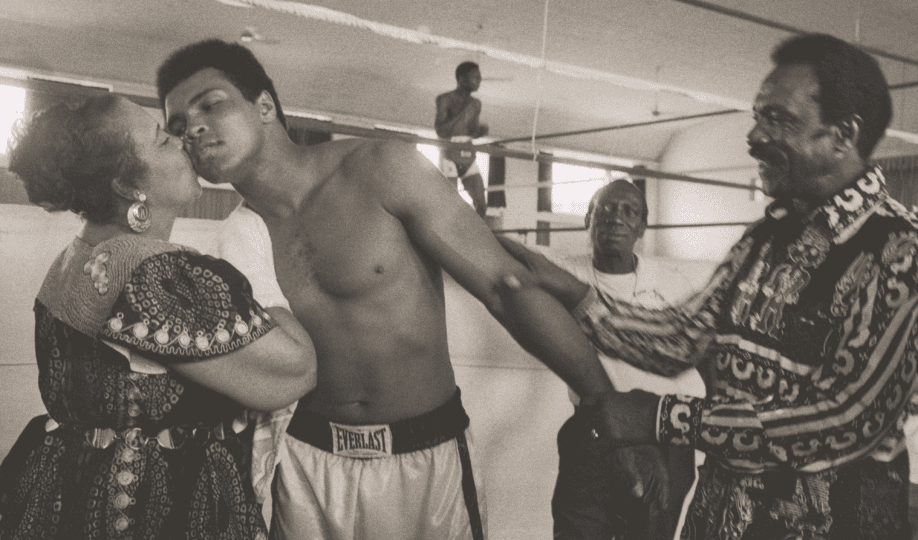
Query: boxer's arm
[449, 231]
[464, 122]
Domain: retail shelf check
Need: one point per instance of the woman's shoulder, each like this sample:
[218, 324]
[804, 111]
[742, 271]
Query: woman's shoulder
[113, 262]
[122, 261]
[84, 281]
[130, 249]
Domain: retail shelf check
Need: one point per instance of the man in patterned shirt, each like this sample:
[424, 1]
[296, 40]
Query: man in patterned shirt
[807, 330]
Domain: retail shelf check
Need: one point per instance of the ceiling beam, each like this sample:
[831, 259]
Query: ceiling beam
[499, 151]
[417, 37]
[787, 28]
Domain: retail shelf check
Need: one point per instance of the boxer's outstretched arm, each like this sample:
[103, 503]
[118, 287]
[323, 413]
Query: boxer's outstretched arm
[446, 229]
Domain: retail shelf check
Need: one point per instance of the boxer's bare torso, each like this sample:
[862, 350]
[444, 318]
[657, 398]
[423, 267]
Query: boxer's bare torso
[457, 115]
[371, 302]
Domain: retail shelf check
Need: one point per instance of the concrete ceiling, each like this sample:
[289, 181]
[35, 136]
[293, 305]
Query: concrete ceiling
[366, 62]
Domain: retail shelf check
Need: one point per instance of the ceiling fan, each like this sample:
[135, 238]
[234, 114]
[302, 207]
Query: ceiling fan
[665, 110]
[234, 3]
[251, 35]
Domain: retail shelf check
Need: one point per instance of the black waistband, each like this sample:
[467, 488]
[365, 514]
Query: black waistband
[442, 424]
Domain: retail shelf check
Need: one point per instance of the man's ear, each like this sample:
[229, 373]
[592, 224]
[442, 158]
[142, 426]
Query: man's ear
[266, 108]
[848, 133]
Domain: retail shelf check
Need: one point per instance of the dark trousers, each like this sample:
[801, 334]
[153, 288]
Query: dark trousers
[593, 499]
[868, 500]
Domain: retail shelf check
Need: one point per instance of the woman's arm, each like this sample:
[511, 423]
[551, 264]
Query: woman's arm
[267, 374]
[196, 315]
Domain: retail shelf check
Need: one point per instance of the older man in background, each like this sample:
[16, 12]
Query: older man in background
[594, 497]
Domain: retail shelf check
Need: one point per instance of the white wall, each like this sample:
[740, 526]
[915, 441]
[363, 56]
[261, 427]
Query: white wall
[715, 149]
[516, 405]
[30, 239]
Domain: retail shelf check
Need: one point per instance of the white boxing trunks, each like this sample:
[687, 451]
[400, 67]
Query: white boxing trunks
[451, 169]
[411, 479]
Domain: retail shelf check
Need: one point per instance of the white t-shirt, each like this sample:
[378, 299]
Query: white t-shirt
[656, 284]
[244, 242]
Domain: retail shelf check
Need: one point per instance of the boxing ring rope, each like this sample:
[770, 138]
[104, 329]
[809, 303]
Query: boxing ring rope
[526, 231]
[538, 105]
[622, 126]
[744, 16]
[299, 120]
[500, 151]
[326, 126]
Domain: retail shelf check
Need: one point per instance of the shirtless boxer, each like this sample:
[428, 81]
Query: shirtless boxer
[361, 230]
[457, 121]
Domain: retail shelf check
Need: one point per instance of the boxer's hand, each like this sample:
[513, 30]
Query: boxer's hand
[622, 418]
[645, 470]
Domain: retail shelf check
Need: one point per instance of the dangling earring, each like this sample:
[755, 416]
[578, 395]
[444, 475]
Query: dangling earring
[138, 214]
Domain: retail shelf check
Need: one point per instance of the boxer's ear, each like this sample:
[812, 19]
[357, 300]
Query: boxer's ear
[266, 108]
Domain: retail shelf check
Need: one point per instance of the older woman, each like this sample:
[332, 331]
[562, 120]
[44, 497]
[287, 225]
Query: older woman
[148, 352]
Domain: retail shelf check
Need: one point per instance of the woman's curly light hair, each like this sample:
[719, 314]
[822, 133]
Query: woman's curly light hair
[67, 157]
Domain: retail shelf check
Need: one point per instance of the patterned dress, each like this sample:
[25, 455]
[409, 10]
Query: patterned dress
[129, 449]
[813, 329]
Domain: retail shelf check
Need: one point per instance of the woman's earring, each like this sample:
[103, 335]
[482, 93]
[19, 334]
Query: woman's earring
[138, 214]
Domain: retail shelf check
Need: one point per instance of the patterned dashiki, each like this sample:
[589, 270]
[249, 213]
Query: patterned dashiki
[810, 371]
[129, 449]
